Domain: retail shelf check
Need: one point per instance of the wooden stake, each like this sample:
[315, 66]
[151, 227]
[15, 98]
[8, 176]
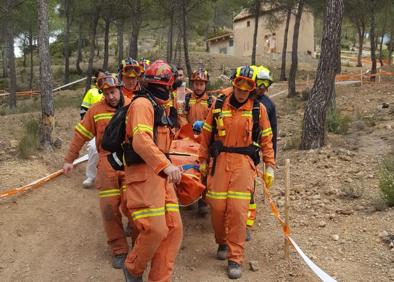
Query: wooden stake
[287, 192]
[361, 73]
[379, 75]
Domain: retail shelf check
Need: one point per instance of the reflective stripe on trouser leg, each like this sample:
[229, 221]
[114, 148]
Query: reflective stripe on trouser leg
[159, 226]
[162, 264]
[216, 197]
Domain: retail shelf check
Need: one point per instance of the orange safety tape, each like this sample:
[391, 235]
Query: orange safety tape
[38, 183]
[386, 73]
[274, 208]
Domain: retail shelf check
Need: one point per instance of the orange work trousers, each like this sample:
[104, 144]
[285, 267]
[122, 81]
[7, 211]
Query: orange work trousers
[229, 194]
[154, 208]
[110, 184]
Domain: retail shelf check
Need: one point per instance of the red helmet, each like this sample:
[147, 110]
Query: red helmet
[159, 72]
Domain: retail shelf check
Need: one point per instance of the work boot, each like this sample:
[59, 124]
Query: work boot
[248, 235]
[221, 254]
[130, 277]
[202, 208]
[233, 270]
[118, 260]
[87, 183]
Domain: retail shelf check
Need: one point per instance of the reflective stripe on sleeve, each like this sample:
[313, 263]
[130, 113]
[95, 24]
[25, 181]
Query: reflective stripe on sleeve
[82, 130]
[266, 132]
[139, 128]
[207, 127]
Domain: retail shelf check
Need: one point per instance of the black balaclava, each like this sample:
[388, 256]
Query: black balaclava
[158, 91]
[235, 103]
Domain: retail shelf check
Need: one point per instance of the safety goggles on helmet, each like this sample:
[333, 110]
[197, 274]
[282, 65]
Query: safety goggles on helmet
[263, 77]
[201, 75]
[244, 83]
[131, 70]
[107, 81]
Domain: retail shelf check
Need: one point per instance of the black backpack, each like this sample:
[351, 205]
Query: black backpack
[114, 133]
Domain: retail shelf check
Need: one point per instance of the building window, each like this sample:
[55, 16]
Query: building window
[231, 42]
[223, 51]
[248, 23]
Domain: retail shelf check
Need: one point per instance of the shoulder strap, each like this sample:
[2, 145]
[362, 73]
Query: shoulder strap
[187, 102]
[209, 101]
[256, 121]
[216, 112]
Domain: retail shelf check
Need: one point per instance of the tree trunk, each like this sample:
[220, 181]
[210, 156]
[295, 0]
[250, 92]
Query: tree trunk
[381, 40]
[79, 56]
[136, 25]
[284, 49]
[256, 27]
[294, 52]
[31, 48]
[361, 33]
[120, 32]
[66, 50]
[170, 36]
[94, 22]
[4, 52]
[391, 45]
[11, 62]
[106, 42]
[372, 38]
[47, 106]
[313, 132]
[185, 42]
[178, 47]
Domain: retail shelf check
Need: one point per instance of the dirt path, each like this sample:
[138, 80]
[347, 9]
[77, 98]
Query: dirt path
[55, 233]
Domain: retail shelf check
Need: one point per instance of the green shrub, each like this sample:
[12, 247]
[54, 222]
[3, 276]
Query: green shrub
[337, 123]
[29, 142]
[386, 179]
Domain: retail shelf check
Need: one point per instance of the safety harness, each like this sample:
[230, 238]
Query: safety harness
[188, 98]
[217, 147]
[160, 119]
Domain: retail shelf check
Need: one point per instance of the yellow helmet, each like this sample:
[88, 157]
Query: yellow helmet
[263, 76]
[244, 78]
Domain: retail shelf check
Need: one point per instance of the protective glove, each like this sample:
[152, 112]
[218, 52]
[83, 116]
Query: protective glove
[204, 169]
[197, 126]
[269, 176]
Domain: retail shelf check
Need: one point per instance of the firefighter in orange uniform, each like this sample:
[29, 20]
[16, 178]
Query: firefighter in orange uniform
[236, 129]
[129, 73]
[151, 198]
[109, 182]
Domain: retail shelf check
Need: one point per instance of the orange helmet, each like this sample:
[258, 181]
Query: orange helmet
[159, 72]
[201, 75]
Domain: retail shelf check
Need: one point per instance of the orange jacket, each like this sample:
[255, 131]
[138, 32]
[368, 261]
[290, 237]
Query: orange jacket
[198, 108]
[93, 124]
[139, 127]
[238, 125]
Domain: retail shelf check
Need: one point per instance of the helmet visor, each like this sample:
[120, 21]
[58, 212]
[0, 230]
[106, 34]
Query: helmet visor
[244, 83]
[106, 82]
